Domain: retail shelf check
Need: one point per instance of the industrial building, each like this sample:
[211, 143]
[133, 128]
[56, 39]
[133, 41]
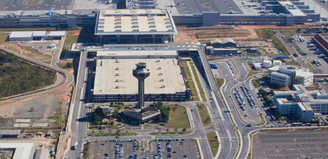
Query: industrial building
[115, 82]
[35, 35]
[21, 150]
[135, 26]
[42, 153]
[322, 41]
[10, 133]
[289, 75]
[301, 102]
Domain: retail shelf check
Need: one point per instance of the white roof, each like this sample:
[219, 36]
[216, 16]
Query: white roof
[160, 69]
[257, 65]
[292, 8]
[21, 34]
[133, 22]
[137, 53]
[42, 153]
[57, 33]
[22, 150]
[39, 34]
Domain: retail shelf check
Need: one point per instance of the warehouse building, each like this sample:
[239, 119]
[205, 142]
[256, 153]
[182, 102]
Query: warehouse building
[114, 80]
[135, 26]
[289, 75]
[36, 35]
[321, 40]
[301, 102]
[9, 133]
[21, 36]
[21, 150]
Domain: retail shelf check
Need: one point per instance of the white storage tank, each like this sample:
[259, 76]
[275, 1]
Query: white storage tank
[266, 63]
[277, 63]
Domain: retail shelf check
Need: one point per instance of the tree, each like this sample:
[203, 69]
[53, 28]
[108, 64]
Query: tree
[69, 65]
[115, 113]
[184, 130]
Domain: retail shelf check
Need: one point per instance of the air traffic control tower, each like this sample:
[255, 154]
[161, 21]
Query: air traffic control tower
[141, 73]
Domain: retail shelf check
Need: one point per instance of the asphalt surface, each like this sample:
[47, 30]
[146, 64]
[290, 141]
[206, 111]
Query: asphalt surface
[12, 5]
[200, 6]
[290, 145]
[180, 150]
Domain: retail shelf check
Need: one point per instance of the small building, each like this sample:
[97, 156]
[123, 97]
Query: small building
[277, 63]
[210, 49]
[267, 63]
[9, 133]
[56, 35]
[42, 153]
[228, 42]
[21, 36]
[257, 66]
[38, 35]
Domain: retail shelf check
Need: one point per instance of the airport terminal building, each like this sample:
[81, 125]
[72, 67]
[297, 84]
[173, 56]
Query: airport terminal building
[135, 26]
[114, 81]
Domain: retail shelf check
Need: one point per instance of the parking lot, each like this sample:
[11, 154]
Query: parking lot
[290, 145]
[99, 149]
[247, 109]
[178, 149]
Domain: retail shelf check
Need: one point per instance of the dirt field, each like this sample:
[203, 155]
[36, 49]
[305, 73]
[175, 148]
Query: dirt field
[194, 35]
[28, 51]
[43, 106]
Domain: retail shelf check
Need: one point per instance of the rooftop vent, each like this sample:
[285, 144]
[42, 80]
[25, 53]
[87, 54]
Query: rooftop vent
[117, 87]
[117, 74]
[117, 80]
[159, 68]
[157, 61]
[162, 80]
[160, 74]
[162, 86]
[116, 61]
[117, 68]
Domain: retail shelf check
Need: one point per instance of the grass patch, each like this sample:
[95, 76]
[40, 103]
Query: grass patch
[290, 31]
[61, 64]
[40, 47]
[112, 134]
[3, 38]
[266, 34]
[201, 91]
[190, 83]
[70, 39]
[214, 142]
[32, 1]
[204, 115]
[251, 73]
[58, 117]
[86, 150]
[47, 62]
[294, 63]
[172, 133]
[178, 117]
[256, 83]
[219, 82]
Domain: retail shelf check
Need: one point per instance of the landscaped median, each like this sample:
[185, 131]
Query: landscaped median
[189, 81]
[219, 82]
[214, 142]
[102, 134]
[204, 115]
[201, 91]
